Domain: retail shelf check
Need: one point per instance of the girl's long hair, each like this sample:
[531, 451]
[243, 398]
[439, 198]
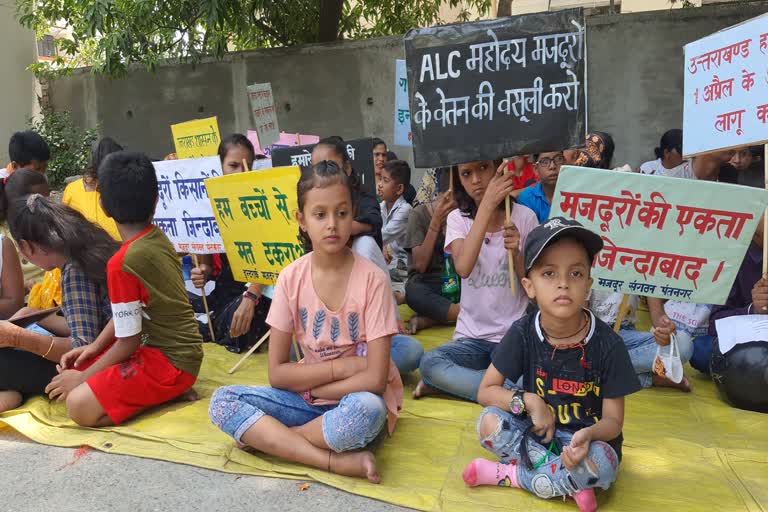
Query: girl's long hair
[59, 228]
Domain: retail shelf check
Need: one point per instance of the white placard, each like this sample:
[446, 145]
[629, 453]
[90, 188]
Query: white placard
[726, 89]
[183, 209]
[735, 330]
[264, 115]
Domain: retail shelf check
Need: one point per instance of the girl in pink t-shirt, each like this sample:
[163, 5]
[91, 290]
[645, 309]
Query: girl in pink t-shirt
[478, 237]
[339, 308]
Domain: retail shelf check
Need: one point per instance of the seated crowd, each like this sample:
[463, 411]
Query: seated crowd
[125, 337]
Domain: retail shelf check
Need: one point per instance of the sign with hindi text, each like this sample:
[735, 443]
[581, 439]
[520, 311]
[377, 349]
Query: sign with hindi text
[256, 215]
[196, 139]
[726, 89]
[264, 114]
[496, 88]
[183, 210]
[402, 110]
[360, 152]
[670, 238]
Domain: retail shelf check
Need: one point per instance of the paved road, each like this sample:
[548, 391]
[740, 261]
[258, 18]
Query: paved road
[38, 478]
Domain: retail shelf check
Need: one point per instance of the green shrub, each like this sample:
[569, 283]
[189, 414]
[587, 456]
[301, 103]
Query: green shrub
[70, 145]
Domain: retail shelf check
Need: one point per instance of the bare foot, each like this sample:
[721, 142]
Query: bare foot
[10, 400]
[423, 389]
[663, 382]
[189, 395]
[359, 464]
[417, 323]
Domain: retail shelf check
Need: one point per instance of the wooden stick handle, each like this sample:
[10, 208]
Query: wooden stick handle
[765, 217]
[621, 313]
[510, 258]
[245, 165]
[250, 351]
[450, 180]
[205, 304]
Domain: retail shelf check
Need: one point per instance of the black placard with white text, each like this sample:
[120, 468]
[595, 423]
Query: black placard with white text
[497, 88]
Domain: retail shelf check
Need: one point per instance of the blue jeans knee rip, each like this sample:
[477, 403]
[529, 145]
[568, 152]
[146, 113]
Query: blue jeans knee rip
[551, 478]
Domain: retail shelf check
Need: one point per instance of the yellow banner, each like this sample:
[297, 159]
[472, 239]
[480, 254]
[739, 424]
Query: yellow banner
[256, 216]
[196, 139]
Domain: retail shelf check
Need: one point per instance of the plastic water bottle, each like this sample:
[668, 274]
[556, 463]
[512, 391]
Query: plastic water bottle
[186, 267]
[450, 288]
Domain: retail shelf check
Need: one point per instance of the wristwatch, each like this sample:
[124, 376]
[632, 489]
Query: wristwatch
[517, 404]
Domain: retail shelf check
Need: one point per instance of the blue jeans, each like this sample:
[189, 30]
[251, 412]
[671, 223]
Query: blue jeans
[457, 367]
[550, 478]
[350, 425]
[702, 353]
[642, 351]
[405, 352]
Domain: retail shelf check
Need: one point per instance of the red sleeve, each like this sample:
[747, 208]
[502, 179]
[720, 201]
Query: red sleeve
[128, 297]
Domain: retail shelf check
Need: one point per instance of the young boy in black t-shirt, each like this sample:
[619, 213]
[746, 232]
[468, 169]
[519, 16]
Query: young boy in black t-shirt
[561, 433]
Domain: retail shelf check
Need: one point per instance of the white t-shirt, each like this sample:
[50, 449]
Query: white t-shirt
[653, 167]
[684, 170]
[488, 307]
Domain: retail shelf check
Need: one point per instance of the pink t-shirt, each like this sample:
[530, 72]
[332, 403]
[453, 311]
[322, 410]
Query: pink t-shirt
[488, 307]
[367, 313]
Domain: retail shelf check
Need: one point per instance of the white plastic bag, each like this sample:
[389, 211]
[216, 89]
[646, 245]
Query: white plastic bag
[668, 363]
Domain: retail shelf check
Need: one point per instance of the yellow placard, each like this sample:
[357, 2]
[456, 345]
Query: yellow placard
[196, 139]
[256, 216]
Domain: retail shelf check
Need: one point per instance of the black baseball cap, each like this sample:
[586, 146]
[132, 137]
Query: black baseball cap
[553, 230]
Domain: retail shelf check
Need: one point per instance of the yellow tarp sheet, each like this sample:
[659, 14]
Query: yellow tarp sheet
[682, 451]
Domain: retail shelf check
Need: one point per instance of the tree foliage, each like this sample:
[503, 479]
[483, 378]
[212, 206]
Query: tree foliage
[113, 34]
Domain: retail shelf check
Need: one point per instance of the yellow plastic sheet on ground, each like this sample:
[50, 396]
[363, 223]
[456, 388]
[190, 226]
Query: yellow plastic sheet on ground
[681, 451]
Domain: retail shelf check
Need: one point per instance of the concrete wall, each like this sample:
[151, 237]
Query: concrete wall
[635, 74]
[17, 51]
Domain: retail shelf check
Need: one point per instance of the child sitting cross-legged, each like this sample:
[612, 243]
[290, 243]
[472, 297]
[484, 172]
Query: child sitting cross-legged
[561, 433]
[158, 350]
[338, 305]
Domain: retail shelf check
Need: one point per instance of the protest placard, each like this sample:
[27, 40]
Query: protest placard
[183, 210]
[496, 88]
[196, 139]
[726, 92]
[360, 152]
[285, 140]
[264, 114]
[256, 215]
[402, 110]
[664, 237]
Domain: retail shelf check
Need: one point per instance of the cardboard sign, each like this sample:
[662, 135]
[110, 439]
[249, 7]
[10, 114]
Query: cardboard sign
[195, 139]
[497, 88]
[360, 152]
[726, 92]
[183, 210]
[264, 115]
[670, 238]
[256, 215]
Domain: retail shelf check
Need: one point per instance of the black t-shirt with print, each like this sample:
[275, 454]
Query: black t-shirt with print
[573, 387]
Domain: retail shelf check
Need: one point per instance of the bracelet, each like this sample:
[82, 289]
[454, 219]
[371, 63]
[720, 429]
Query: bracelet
[251, 296]
[50, 348]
